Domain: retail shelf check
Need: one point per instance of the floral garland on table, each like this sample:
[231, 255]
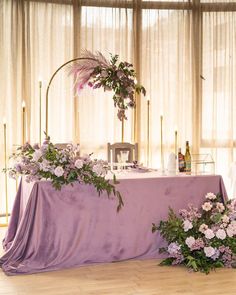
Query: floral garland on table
[201, 239]
[96, 71]
[62, 167]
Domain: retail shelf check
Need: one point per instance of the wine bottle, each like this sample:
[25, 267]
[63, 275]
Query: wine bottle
[187, 158]
[181, 162]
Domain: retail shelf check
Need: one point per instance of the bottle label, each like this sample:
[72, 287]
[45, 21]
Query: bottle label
[188, 166]
[181, 163]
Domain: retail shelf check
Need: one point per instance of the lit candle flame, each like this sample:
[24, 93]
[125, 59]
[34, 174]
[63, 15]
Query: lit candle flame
[23, 104]
[4, 121]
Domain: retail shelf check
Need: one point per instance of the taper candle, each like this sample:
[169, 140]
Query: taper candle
[162, 151]
[40, 110]
[23, 122]
[122, 129]
[111, 158]
[5, 165]
[148, 129]
[176, 140]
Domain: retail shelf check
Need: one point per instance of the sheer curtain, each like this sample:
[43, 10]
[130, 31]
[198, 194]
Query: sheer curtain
[218, 88]
[167, 75]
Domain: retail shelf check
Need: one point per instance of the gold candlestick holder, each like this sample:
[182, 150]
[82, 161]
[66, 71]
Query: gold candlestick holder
[162, 151]
[40, 111]
[5, 166]
[122, 129]
[176, 141]
[23, 123]
[148, 131]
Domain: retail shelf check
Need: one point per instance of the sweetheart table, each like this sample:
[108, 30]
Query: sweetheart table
[52, 230]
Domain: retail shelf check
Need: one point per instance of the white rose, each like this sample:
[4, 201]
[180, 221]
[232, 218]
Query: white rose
[209, 251]
[190, 241]
[58, 171]
[207, 206]
[209, 234]
[221, 234]
[210, 196]
[187, 225]
[79, 163]
[230, 232]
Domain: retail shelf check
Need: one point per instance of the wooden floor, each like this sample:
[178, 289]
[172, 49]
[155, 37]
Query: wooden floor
[122, 278]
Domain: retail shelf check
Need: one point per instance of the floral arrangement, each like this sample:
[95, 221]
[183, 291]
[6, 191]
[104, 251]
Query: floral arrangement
[96, 71]
[62, 167]
[201, 239]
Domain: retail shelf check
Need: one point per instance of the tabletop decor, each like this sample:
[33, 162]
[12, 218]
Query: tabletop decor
[202, 239]
[96, 71]
[62, 167]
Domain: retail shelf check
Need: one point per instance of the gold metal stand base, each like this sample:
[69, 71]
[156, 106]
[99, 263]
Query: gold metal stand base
[3, 224]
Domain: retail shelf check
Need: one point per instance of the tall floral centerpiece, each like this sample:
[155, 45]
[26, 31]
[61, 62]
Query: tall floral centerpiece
[96, 71]
[201, 239]
[61, 167]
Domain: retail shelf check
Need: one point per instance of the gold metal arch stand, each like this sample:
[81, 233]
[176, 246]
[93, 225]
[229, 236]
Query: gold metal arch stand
[50, 82]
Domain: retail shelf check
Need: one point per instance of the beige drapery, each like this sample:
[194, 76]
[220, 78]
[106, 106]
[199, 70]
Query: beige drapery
[172, 45]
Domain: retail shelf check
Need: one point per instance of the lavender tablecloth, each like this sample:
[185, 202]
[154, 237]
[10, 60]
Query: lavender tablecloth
[51, 230]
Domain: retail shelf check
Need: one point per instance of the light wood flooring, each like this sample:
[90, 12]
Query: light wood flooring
[132, 277]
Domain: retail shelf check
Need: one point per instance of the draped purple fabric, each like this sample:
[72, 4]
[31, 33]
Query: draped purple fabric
[51, 230]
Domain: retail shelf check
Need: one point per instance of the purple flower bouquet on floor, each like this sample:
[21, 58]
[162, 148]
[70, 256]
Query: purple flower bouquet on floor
[201, 239]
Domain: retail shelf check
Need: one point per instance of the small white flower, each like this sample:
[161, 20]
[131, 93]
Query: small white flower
[210, 196]
[221, 234]
[220, 207]
[44, 165]
[190, 241]
[58, 171]
[225, 219]
[207, 206]
[203, 227]
[37, 155]
[209, 234]
[187, 225]
[209, 251]
[79, 163]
